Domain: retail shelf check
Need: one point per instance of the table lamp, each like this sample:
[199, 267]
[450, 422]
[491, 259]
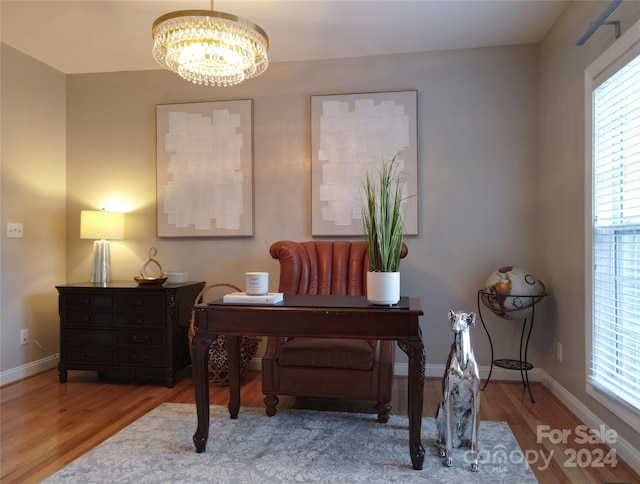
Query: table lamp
[101, 226]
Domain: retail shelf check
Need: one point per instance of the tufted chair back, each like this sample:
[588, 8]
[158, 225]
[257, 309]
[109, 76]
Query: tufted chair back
[323, 267]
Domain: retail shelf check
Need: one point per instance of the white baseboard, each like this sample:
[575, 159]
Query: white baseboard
[30, 369]
[624, 450]
[437, 371]
[254, 364]
[402, 369]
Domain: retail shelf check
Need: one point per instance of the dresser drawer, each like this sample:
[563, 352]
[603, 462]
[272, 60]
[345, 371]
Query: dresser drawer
[140, 338]
[122, 329]
[140, 319]
[87, 337]
[88, 301]
[88, 356]
[143, 302]
[140, 357]
[85, 318]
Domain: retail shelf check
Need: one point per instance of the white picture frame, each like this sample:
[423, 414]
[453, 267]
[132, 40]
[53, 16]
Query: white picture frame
[351, 134]
[204, 179]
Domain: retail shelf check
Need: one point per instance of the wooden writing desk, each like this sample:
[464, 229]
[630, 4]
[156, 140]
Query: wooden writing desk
[311, 316]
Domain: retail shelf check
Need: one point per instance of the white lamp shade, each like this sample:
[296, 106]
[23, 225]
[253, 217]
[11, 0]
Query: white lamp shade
[100, 224]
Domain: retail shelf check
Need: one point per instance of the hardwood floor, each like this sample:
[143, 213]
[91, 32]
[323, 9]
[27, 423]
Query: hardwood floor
[45, 424]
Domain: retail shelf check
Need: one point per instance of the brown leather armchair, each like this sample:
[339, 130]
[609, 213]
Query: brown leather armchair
[326, 367]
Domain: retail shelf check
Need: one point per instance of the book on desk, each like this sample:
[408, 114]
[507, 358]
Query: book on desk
[244, 298]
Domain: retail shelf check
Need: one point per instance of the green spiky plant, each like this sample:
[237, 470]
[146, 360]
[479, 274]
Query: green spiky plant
[383, 217]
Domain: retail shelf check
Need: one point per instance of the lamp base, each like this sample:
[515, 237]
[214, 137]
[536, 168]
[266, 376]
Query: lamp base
[101, 272]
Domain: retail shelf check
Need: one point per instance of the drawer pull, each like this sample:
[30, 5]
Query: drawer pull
[87, 302]
[140, 359]
[139, 303]
[140, 339]
[87, 319]
[88, 337]
[88, 356]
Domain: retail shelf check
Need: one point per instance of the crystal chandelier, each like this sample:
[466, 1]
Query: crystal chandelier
[210, 48]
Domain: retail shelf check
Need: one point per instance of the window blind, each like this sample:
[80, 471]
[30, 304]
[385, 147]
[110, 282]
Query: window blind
[615, 351]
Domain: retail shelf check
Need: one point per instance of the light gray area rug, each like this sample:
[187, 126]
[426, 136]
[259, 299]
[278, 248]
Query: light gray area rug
[293, 446]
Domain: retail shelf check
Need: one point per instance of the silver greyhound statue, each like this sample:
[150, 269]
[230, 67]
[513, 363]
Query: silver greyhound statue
[458, 414]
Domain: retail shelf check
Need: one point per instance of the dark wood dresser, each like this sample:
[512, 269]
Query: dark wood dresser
[124, 329]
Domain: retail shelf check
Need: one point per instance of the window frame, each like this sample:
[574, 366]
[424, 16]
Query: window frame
[612, 55]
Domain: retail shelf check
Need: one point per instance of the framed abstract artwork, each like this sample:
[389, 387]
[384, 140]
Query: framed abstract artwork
[351, 135]
[205, 169]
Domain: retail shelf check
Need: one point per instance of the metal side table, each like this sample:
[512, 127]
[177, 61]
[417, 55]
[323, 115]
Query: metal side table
[520, 364]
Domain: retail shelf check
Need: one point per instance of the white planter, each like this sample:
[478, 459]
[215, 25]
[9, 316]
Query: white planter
[383, 288]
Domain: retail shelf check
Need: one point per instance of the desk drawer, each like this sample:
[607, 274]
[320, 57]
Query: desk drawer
[143, 302]
[88, 356]
[140, 357]
[88, 301]
[140, 338]
[140, 319]
[87, 318]
[88, 337]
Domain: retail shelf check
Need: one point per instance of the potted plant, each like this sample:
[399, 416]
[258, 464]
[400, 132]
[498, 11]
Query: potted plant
[383, 222]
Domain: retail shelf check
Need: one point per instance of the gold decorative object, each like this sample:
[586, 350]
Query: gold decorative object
[145, 278]
[210, 48]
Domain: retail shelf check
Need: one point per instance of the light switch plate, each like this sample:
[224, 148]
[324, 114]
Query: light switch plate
[14, 230]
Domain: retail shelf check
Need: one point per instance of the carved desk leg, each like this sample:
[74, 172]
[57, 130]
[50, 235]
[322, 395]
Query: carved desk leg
[233, 362]
[415, 352]
[199, 355]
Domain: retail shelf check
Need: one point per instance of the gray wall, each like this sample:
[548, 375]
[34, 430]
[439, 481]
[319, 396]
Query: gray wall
[478, 141]
[33, 191]
[562, 203]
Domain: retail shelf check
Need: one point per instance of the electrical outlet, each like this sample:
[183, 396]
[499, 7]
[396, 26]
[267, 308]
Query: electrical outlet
[24, 336]
[559, 352]
[14, 230]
